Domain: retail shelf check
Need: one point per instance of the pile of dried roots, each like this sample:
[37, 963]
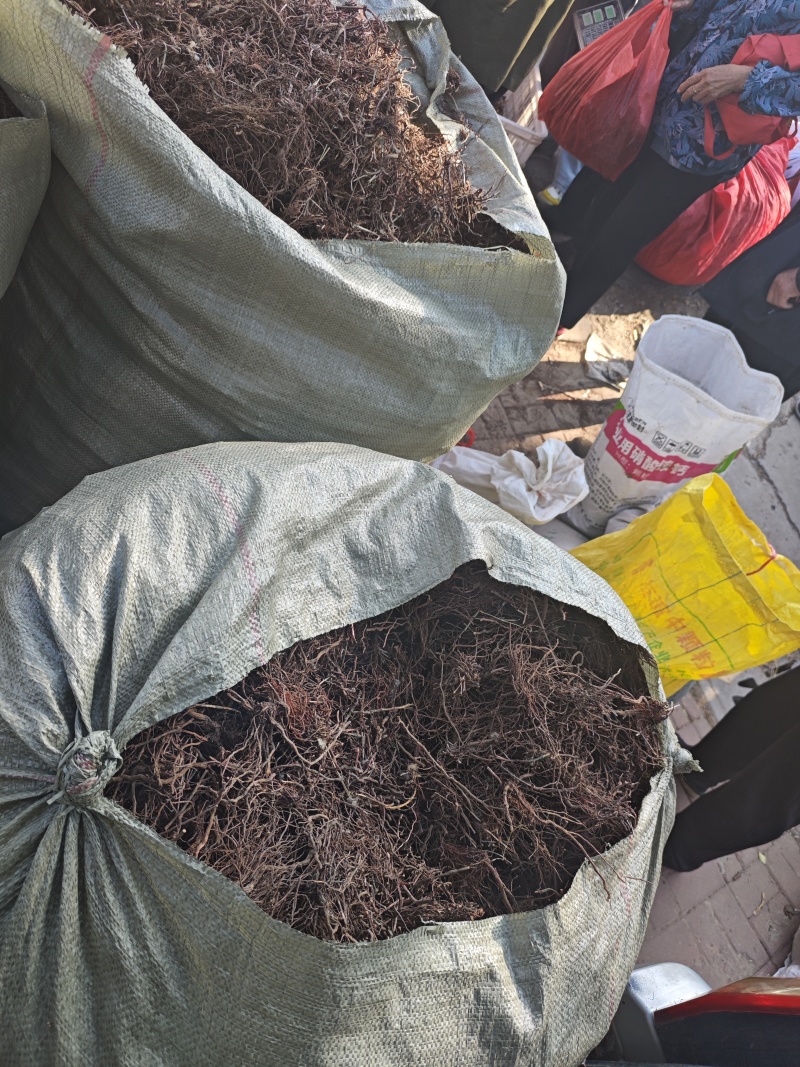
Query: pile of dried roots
[454, 758]
[305, 105]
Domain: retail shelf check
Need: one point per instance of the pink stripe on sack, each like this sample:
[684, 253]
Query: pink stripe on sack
[97, 58]
[245, 551]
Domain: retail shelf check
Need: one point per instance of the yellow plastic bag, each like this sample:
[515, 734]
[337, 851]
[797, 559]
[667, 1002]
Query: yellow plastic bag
[709, 593]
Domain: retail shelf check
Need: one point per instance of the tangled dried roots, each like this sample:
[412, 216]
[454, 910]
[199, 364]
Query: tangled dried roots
[305, 105]
[454, 758]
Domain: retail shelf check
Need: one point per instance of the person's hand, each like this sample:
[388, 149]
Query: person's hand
[678, 5]
[714, 82]
[783, 293]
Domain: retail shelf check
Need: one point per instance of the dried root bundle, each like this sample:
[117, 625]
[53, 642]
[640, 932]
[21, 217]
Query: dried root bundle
[455, 758]
[305, 105]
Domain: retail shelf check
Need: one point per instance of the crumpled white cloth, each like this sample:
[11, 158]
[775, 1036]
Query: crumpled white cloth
[534, 492]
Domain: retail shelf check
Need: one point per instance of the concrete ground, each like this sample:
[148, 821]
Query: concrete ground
[736, 917]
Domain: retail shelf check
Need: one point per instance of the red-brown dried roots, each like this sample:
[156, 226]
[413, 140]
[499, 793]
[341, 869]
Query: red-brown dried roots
[454, 758]
[8, 110]
[305, 105]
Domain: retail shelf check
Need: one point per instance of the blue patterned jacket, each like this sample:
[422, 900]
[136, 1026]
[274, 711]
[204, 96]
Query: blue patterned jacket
[720, 27]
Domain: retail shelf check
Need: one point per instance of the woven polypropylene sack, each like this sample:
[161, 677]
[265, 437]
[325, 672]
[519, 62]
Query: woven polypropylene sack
[158, 584]
[158, 305]
[24, 174]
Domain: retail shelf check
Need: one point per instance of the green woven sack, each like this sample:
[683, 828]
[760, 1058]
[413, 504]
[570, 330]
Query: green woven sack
[155, 585]
[24, 174]
[158, 305]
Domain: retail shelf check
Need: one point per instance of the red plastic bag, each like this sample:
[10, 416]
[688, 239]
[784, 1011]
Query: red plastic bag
[600, 104]
[740, 127]
[724, 222]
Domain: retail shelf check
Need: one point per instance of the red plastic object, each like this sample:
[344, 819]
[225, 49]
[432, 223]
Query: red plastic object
[724, 222]
[600, 105]
[740, 127]
[767, 996]
[468, 440]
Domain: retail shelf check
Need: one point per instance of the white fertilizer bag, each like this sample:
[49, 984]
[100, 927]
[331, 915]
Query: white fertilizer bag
[690, 406]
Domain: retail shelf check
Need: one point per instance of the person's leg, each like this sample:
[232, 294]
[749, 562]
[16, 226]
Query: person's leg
[655, 194]
[755, 724]
[754, 808]
[606, 199]
[760, 357]
[567, 170]
[712, 316]
[577, 201]
[756, 747]
[791, 384]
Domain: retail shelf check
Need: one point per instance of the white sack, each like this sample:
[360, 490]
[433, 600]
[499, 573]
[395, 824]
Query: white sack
[690, 406]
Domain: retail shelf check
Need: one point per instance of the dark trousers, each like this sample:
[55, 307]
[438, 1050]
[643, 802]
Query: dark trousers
[762, 358]
[756, 751]
[611, 222]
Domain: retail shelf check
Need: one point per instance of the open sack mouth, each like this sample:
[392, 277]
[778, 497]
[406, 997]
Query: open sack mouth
[455, 758]
[306, 105]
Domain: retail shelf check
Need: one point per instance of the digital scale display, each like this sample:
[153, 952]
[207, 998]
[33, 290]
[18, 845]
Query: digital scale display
[591, 22]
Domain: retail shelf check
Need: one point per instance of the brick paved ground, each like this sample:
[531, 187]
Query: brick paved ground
[733, 918]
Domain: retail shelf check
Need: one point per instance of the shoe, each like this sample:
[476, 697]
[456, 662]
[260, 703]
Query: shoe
[552, 196]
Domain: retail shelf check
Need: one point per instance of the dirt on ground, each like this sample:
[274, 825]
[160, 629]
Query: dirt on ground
[558, 398]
